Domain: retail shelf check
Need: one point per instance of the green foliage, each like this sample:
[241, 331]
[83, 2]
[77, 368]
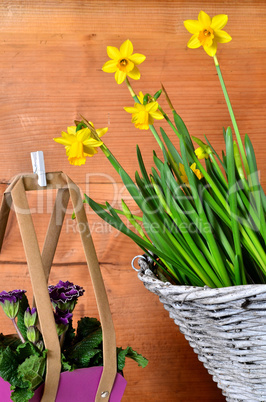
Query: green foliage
[25, 350]
[23, 364]
[69, 336]
[202, 229]
[23, 305]
[9, 368]
[132, 354]
[83, 351]
[66, 366]
[32, 370]
[86, 326]
[9, 340]
[22, 394]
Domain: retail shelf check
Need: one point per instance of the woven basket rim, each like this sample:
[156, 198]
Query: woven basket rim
[205, 294]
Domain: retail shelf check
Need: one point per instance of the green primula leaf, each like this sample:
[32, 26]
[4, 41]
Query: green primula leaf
[32, 370]
[66, 366]
[9, 340]
[23, 305]
[82, 352]
[22, 395]
[25, 350]
[86, 326]
[9, 368]
[97, 359]
[132, 354]
[82, 358]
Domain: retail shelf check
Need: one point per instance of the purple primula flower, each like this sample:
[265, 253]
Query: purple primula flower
[65, 294]
[13, 296]
[62, 316]
[62, 320]
[31, 311]
[10, 302]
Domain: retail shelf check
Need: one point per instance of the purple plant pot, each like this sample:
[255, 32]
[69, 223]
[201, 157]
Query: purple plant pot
[80, 385]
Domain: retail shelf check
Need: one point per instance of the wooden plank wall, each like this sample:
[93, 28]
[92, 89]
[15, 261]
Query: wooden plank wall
[51, 58]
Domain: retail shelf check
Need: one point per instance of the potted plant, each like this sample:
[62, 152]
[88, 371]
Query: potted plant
[202, 226]
[23, 357]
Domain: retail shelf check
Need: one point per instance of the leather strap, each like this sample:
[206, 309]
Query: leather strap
[39, 287]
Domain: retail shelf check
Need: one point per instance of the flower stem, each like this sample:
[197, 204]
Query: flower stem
[18, 331]
[62, 339]
[156, 136]
[111, 158]
[132, 93]
[230, 109]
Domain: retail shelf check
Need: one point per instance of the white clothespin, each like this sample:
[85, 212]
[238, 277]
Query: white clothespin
[38, 166]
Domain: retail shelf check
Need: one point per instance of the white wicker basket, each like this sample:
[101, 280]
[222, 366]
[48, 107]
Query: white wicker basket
[226, 327]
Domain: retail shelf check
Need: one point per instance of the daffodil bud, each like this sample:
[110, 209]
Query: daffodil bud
[203, 151]
[157, 94]
[80, 126]
[145, 99]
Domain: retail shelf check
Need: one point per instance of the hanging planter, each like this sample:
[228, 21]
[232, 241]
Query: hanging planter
[46, 343]
[226, 327]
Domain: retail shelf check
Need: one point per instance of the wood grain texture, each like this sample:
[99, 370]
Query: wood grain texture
[52, 54]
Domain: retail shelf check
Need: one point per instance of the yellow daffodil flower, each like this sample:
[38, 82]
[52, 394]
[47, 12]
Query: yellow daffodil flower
[196, 171]
[144, 115]
[80, 144]
[207, 32]
[201, 153]
[123, 62]
[183, 174]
